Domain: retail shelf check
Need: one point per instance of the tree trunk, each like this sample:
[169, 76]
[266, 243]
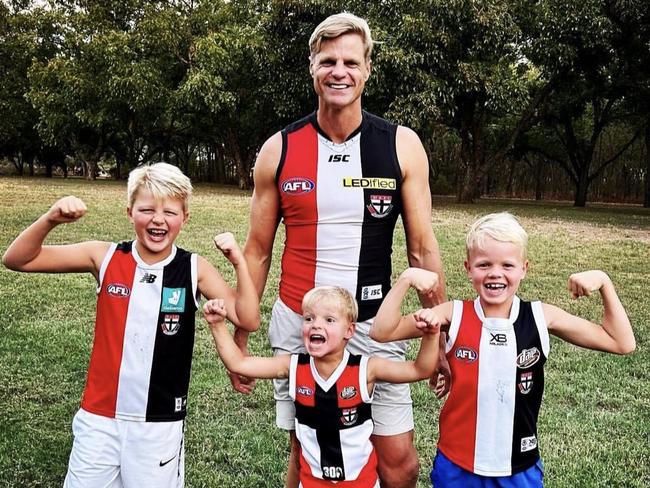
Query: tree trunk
[646, 195]
[582, 187]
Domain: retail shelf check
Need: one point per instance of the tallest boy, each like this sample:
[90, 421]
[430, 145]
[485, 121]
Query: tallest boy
[338, 179]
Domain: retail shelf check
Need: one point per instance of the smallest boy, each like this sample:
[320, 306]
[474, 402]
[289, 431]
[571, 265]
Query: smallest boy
[129, 429]
[331, 388]
[497, 346]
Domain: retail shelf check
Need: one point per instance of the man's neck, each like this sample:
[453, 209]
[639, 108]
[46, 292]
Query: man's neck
[339, 124]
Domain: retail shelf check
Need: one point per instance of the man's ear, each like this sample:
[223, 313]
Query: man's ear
[369, 70]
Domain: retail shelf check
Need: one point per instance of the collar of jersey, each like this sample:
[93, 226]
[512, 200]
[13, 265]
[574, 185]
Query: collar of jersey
[329, 382]
[159, 264]
[494, 323]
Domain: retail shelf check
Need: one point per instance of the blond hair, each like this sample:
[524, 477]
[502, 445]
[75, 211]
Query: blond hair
[162, 180]
[343, 299]
[502, 227]
[338, 25]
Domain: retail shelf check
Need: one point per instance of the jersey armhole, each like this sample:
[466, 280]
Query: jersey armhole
[454, 325]
[542, 328]
[293, 366]
[194, 273]
[283, 156]
[366, 395]
[104, 265]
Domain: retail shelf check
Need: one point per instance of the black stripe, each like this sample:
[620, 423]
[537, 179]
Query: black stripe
[527, 401]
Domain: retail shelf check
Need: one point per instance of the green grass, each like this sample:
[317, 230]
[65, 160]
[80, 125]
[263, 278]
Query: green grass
[595, 419]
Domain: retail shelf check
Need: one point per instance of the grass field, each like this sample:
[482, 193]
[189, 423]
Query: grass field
[595, 419]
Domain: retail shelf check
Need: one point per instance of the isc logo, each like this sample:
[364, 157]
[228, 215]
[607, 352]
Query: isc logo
[297, 186]
[339, 158]
[118, 290]
[466, 354]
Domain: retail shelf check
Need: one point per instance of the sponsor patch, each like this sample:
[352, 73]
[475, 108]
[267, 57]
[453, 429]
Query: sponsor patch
[528, 357]
[148, 278]
[372, 292]
[297, 186]
[180, 403]
[171, 324]
[348, 392]
[349, 416]
[380, 206]
[466, 354]
[370, 183]
[173, 300]
[528, 443]
[525, 382]
[339, 158]
[304, 391]
[118, 290]
[498, 339]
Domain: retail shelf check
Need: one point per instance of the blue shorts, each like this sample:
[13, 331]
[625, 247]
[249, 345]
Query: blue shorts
[446, 474]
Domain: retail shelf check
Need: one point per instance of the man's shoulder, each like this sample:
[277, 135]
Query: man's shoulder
[372, 120]
[299, 124]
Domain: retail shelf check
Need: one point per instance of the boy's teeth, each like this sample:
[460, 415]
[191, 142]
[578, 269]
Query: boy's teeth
[495, 286]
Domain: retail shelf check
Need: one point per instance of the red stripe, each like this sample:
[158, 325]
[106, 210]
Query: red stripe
[367, 477]
[349, 377]
[458, 415]
[300, 214]
[305, 385]
[100, 395]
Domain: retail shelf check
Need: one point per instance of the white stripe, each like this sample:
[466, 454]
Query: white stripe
[363, 380]
[356, 448]
[454, 326]
[496, 400]
[293, 366]
[340, 215]
[139, 341]
[195, 279]
[542, 329]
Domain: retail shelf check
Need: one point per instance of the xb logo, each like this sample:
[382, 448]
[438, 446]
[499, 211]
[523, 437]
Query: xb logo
[498, 339]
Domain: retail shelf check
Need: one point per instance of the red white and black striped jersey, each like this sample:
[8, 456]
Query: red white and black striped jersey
[488, 425]
[144, 335]
[333, 423]
[339, 204]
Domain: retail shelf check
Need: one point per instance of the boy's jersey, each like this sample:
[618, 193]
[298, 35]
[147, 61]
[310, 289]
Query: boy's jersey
[339, 204]
[333, 423]
[144, 336]
[488, 424]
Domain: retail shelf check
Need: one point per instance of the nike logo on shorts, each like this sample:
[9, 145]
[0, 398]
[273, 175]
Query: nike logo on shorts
[162, 463]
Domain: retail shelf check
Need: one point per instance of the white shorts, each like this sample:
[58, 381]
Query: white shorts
[113, 453]
[392, 411]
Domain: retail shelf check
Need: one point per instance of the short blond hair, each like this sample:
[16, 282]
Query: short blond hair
[502, 227]
[343, 298]
[162, 180]
[337, 25]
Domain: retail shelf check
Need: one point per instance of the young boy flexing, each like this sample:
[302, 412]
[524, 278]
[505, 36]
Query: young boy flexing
[497, 346]
[129, 429]
[331, 388]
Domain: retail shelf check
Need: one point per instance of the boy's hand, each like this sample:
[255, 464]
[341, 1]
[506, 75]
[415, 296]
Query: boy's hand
[583, 284]
[214, 311]
[227, 244]
[427, 321]
[67, 209]
[424, 281]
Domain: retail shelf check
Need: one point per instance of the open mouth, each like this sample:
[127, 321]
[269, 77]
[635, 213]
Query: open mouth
[338, 86]
[495, 286]
[317, 339]
[157, 233]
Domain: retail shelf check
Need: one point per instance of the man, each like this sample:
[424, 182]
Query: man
[338, 179]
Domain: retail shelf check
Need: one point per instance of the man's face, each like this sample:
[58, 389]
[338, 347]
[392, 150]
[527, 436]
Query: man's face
[340, 71]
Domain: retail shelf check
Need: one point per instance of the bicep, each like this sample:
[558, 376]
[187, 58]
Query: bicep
[380, 369]
[69, 258]
[576, 330]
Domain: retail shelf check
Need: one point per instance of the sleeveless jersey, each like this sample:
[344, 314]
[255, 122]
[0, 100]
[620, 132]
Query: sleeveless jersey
[488, 424]
[144, 336]
[333, 423]
[339, 204]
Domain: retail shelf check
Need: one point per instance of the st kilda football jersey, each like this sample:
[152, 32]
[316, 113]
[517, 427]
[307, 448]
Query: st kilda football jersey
[488, 425]
[144, 336]
[339, 204]
[333, 423]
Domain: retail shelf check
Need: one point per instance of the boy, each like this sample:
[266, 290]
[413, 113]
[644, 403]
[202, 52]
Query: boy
[497, 346]
[331, 388]
[129, 429]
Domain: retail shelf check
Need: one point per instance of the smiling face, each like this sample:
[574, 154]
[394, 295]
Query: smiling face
[157, 223]
[325, 328]
[496, 270]
[340, 71]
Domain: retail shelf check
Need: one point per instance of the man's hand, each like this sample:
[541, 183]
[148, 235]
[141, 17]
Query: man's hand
[66, 210]
[227, 244]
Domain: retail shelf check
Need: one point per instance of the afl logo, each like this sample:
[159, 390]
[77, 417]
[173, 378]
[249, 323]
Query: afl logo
[118, 290]
[304, 391]
[297, 186]
[466, 354]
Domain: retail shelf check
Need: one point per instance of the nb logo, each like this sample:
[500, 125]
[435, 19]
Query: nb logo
[148, 278]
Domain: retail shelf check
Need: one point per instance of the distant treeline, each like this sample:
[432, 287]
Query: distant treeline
[522, 98]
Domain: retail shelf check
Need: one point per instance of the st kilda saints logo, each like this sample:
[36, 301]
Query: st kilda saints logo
[171, 324]
[525, 382]
[380, 206]
[349, 416]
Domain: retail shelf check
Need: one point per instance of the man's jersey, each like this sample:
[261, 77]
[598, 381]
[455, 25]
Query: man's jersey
[333, 423]
[144, 336]
[488, 424]
[339, 204]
